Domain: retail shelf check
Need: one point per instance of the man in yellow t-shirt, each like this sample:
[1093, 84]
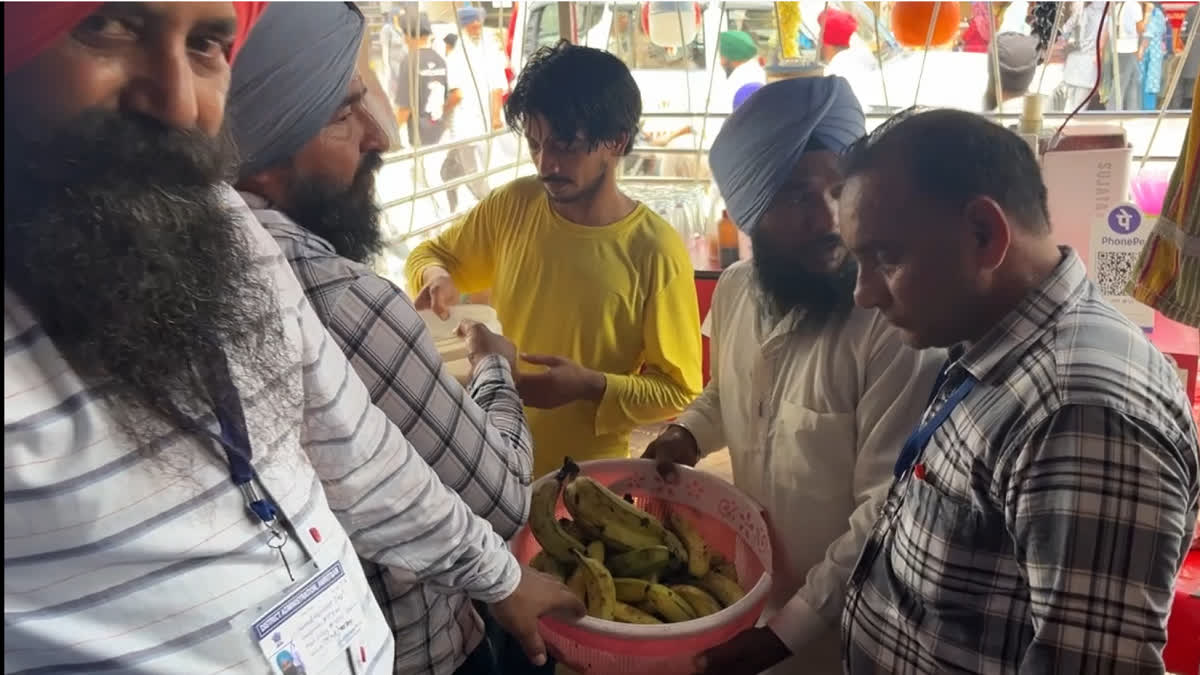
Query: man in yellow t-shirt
[594, 288]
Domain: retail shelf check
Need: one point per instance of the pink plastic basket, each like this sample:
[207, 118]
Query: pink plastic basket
[733, 525]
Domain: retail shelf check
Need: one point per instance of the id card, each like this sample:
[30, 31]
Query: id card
[313, 626]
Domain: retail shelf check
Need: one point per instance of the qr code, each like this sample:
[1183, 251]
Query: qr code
[1113, 269]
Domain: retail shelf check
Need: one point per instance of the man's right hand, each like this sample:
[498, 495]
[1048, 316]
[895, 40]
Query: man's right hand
[537, 594]
[675, 445]
[439, 292]
[482, 342]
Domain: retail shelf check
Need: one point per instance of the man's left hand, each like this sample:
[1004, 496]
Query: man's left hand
[748, 653]
[563, 382]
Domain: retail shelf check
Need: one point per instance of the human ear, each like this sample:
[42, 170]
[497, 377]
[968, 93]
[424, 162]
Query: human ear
[990, 231]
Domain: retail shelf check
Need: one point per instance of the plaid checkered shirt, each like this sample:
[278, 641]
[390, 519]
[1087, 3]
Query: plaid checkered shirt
[478, 444]
[1043, 526]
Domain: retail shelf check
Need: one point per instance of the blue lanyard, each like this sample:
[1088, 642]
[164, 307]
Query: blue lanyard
[920, 436]
[235, 440]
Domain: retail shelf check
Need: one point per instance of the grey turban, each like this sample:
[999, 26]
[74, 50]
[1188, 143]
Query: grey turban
[759, 145]
[290, 78]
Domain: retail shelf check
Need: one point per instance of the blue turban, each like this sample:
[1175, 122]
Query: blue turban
[469, 15]
[740, 96]
[290, 78]
[761, 142]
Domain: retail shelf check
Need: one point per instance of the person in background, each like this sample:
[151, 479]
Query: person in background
[392, 49]
[1127, 69]
[1015, 18]
[477, 76]
[593, 287]
[739, 59]
[449, 43]
[1155, 34]
[1080, 31]
[1017, 57]
[297, 110]
[978, 33]
[836, 28]
[1191, 61]
[1052, 484]
[184, 449]
[846, 55]
[812, 396]
[421, 79]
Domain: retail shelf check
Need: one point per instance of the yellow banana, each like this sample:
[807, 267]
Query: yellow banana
[648, 608]
[555, 541]
[668, 604]
[721, 566]
[596, 504]
[576, 585]
[628, 614]
[629, 590]
[698, 598]
[640, 563]
[595, 550]
[697, 548]
[724, 589]
[542, 562]
[601, 594]
[620, 537]
[572, 528]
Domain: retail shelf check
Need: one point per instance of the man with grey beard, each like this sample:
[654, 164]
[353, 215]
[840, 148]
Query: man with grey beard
[313, 150]
[812, 396]
[190, 467]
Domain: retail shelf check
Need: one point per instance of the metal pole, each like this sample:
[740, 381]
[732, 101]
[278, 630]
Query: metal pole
[566, 27]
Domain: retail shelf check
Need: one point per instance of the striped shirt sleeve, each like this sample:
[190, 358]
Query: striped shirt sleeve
[478, 444]
[391, 503]
[1096, 507]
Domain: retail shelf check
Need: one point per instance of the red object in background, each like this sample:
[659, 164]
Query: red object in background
[509, 73]
[1175, 12]
[1182, 653]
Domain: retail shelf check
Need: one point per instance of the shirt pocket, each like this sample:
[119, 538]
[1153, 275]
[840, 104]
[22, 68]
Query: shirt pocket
[812, 453]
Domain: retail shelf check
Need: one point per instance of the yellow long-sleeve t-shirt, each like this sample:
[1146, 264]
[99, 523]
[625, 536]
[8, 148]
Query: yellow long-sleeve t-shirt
[619, 299]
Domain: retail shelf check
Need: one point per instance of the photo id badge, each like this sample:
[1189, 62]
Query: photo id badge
[313, 626]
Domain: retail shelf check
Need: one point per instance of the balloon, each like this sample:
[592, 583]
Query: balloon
[910, 23]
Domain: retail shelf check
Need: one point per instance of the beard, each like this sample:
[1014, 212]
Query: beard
[584, 193]
[790, 285]
[348, 218]
[117, 238]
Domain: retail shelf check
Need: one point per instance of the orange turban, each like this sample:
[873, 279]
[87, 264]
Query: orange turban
[30, 27]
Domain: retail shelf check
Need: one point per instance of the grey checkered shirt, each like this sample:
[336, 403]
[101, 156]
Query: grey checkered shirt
[478, 444]
[1052, 511]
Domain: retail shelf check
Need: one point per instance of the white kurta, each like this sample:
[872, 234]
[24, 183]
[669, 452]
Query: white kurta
[814, 419]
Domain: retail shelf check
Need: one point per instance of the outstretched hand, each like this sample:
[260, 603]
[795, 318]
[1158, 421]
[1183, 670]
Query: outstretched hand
[563, 382]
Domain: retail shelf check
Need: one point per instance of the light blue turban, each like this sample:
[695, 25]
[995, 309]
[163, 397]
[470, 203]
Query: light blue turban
[290, 78]
[469, 15]
[759, 145]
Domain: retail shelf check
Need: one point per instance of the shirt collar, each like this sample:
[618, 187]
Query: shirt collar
[1031, 319]
[278, 222]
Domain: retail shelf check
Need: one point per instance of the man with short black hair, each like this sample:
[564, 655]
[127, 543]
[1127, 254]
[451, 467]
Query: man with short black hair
[592, 286]
[1043, 508]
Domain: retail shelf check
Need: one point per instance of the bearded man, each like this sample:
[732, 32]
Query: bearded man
[812, 396]
[184, 453]
[299, 115]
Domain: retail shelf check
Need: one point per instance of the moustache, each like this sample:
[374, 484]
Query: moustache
[554, 179]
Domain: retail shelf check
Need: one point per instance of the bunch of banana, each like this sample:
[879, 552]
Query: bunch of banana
[622, 562]
[556, 541]
[622, 525]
